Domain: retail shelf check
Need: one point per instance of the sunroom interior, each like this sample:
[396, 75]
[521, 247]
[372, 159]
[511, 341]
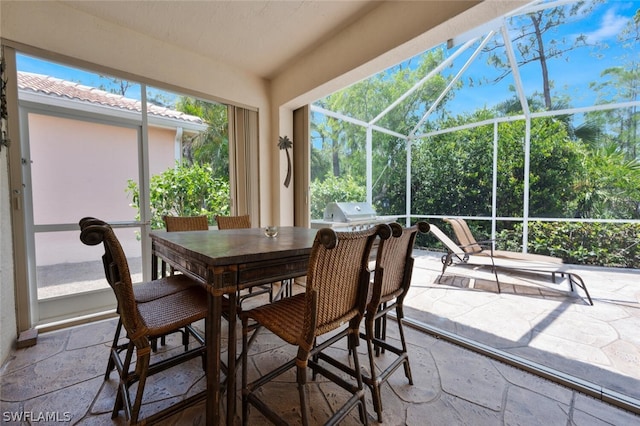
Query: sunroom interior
[299, 64]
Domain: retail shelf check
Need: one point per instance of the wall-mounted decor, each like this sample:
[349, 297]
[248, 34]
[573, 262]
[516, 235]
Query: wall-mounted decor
[285, 143]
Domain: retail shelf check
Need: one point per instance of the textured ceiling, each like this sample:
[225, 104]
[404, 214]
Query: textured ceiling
[261, 37]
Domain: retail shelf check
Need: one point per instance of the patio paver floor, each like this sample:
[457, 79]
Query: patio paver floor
[452, 385]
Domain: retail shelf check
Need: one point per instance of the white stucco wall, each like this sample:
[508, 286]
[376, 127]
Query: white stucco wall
[72, 161]
[7, 296]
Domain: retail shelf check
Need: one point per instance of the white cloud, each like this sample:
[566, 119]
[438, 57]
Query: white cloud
[610, 26]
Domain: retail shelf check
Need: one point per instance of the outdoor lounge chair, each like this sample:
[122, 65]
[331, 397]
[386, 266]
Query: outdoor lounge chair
[469, 251]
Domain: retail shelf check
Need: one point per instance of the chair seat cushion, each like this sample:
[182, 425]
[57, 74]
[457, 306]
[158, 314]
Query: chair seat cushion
[285, 317]
[173, 311]
[148, 291]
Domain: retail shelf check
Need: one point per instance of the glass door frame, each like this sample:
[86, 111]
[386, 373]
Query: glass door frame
[97, 302]
[26, 312]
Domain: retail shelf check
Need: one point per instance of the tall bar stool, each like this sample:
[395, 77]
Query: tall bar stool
[392, 278]
[333, 302]
[144, 322]
[143, 293]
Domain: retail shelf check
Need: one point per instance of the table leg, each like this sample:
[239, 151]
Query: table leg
[231, 362]
[154, 267]
[213, 323]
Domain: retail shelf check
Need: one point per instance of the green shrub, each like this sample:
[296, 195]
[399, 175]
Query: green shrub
[583, 243]
[184, 191]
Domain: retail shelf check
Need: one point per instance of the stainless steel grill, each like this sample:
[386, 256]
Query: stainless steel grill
[349, 212]
[353, 216]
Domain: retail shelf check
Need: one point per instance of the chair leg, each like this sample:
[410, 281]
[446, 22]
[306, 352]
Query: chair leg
[185, 339]
[383, 331]
[242, 361]
[114, 345]
[371, 326]
[285, 290]
[495, 272]
[446, 261]
[118, 404]
[163, 269]
[362, 408]
[288, 287]
[407, 366]
[315, 358]
[304, 395]
[377, 330]
[122, 396]
[375, 336]
[142, 366]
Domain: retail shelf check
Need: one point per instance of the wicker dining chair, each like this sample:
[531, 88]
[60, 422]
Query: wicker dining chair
[233, 222]
[180, 224]
[144, 322]
[185, 223]
[392, 278]
[143, 292]
[334, 302]
[244, 222]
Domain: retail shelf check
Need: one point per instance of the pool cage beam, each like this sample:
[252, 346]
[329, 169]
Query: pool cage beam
[527, 142]
[426, 78]
[527, 116]
[453, 81]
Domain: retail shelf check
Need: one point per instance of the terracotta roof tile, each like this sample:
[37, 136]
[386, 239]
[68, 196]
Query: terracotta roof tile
[67, 89]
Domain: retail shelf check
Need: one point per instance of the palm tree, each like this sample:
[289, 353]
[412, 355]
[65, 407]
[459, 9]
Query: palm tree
[285, 143]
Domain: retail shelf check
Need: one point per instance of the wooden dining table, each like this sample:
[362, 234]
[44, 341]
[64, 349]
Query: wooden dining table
[225, 261]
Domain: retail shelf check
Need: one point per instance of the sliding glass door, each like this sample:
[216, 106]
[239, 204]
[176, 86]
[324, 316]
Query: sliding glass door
[75, 165]
[104, 147]
[82, 147]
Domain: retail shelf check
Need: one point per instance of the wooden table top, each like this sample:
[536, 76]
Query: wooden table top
[235, 246]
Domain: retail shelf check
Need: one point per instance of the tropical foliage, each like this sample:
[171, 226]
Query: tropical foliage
[186, 190]
[210, 147]
[334, 189]
[199, 185]
[579, 243]
[584, 166]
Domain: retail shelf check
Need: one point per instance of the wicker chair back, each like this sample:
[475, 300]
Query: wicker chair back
[233, 222]
[185, 223]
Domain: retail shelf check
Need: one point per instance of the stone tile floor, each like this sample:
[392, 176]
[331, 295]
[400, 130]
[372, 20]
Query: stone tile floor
[62, 376]
[539, 321]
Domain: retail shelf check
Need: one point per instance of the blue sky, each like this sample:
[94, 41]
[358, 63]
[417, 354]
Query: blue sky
[38, 66]
[87, 78]
[570, 75]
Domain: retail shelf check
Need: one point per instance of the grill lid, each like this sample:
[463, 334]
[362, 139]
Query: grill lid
[348, 212]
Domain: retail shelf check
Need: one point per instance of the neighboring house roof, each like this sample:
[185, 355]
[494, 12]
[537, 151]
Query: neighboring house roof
[53, 86]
